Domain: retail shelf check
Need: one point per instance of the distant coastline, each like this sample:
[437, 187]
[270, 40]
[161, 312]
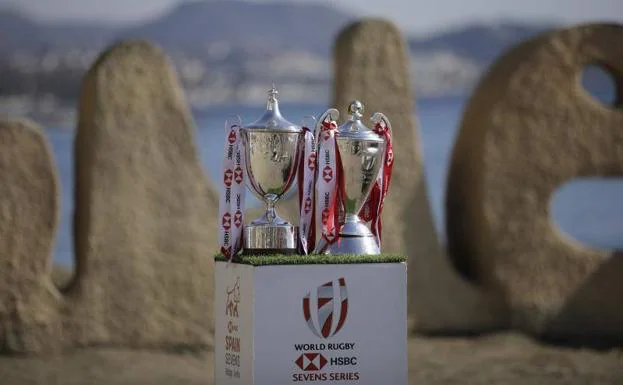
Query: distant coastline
[64, 116]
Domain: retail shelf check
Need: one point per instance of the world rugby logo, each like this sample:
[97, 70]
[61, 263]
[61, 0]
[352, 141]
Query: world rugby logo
[325, 309]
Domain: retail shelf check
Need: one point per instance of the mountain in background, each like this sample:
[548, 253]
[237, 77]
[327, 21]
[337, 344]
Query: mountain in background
[481, 43]
[251, 26]
[256, 26]
[224, 50]
[20, 33]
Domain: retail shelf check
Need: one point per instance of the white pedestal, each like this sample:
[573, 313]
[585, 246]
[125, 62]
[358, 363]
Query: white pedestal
[310, 324]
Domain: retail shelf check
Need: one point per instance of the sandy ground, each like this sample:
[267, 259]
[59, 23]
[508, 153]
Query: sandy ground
[506, 359]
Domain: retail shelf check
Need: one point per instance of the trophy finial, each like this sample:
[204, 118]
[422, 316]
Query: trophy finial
[272, 98]
[355, 110]
[272, 93]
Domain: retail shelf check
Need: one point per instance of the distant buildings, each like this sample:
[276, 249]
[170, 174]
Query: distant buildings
[46, 84]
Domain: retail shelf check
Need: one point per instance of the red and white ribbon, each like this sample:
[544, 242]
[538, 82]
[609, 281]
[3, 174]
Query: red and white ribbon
[306, 182]
[373, 208]
[327, 179]
[231, 203]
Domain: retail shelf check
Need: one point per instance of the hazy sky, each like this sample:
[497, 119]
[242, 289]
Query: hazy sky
[415, 16]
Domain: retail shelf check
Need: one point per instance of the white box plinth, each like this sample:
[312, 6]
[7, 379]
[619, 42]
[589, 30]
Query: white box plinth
[311, 324]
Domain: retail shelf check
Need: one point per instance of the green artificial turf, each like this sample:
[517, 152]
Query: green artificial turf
[265, 260]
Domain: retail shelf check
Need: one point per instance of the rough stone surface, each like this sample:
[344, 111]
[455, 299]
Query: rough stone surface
[529, 128]
[29, 212]
[371, 65]
[144, 228]
[508, 359]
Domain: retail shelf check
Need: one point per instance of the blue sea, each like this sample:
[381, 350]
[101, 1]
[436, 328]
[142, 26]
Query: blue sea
[588, 210]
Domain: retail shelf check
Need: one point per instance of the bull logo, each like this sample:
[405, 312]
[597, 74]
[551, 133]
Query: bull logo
[325, 309]
[233, 299]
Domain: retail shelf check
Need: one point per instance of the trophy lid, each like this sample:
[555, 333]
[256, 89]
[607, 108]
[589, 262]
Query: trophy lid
[354, 128]
[272, 121]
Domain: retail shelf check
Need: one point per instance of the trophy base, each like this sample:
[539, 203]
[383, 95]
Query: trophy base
[354, 238]
[270, 238]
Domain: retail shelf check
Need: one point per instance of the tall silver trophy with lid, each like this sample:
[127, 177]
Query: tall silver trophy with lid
[272, 147]
[361, 151]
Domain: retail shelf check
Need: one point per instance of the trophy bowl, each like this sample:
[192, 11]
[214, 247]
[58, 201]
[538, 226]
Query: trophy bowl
[272, 147]
[361, 152]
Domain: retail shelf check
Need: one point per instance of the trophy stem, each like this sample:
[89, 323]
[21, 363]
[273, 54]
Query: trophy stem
[353, 218]
[271, 214]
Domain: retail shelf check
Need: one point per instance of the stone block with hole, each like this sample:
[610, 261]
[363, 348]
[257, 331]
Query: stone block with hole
[310, 320]
[529, 128]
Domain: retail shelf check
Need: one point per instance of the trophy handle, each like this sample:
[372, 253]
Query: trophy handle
[312, 125]
[333, 115]
[379, 117]
[233, 120]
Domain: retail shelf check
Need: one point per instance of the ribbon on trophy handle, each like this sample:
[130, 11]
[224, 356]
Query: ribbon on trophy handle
[306, 179]
[373, 208]
[327, 181]
[231, 201]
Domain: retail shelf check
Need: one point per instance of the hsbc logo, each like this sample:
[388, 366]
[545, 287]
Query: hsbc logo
[226, 221]
[232, 137]
[238, 218]
[308, 205]
[238, 177]
[327, 174]
[325, 309]
[311, 361]
[311, 161]
[227, 177]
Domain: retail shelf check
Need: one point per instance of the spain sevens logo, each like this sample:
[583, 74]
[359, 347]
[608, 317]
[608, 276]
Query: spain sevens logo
[232, 137]
[325, 309]
[327, 174]
[226, 221]
[227, 177]
[311, 161]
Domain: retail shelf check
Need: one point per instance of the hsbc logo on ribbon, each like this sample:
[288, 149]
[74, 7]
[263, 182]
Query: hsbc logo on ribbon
[227, 177]
[327, 174]
[238, 176]
[308, 205]
[325, 216]
[325, 309]
[311, 161]
[226, 221]
[390, 157]
[238, 218]
[232, 137]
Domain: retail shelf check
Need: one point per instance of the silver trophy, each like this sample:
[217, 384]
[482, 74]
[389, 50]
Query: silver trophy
[361, 151]
[272, 147]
